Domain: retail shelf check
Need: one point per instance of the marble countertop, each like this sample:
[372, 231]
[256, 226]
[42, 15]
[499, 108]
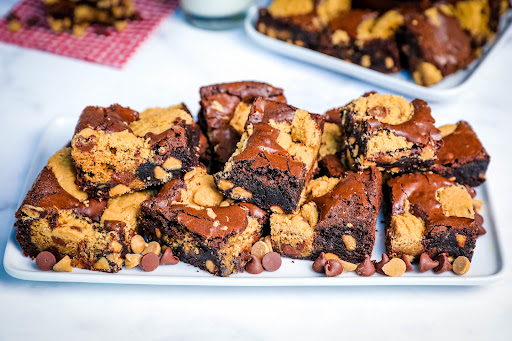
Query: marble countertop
[36, 87]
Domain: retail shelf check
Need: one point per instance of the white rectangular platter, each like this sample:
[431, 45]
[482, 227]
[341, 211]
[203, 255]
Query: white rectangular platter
[486, 267]
[400, 82]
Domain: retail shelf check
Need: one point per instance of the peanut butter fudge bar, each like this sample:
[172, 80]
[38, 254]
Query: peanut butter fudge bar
[434, 45]
[275, 157]
[431, 214]
[77, 15]
[224, 110]
[366, 38]
[462, 157]
[59, 217]
[200, 226]
[116, 150]
[338, 217]
[329, 155]
[300, 22]
[389, 132]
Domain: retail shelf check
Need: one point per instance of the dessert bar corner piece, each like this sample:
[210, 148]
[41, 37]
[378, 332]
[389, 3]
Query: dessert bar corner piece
[275, 157]
[224, 110]
[77, 15]
[300, 22]
[462, 158]
[366, 38]
[389, 132]
[57, 216]
[201, 227]
[435, 45]
[117, 150]
[339, 217]
[431, 214]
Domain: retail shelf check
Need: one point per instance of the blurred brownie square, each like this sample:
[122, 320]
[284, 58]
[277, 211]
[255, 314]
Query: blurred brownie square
[429, 213]
[77, 15]
[224, 110]
[59, 217]
[389, 132]
[366, 38]
[462, 158]
[434, 45]
[117, 151]
[339, 216]
[299, 22]
[275, 157]
[201, 227]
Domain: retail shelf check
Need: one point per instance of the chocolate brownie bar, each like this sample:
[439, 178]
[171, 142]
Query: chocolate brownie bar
[57, 216]
[366, 38]
[389, 132]
[429, 213]
[338, 217]
[77, 15]
[275, 157]
[434, 45]
[462, 157]
[201, 227]
[329, 155]
[117, 151]
[300, 22]
[224, 110]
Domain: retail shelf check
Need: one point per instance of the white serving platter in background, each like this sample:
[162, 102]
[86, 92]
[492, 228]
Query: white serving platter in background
[400, 82]
[486, 267]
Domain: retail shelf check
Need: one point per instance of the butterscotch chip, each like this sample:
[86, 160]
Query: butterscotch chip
[63, 265]
[210, 266]
[132, 260]
[461, 265]
[260, 249]
[138, 244]
[153, 247]
[394, 268]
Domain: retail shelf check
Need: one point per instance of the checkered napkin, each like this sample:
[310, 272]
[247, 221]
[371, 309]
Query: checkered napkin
[113, 49]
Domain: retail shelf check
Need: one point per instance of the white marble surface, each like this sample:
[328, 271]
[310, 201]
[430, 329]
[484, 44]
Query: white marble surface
[36, 86]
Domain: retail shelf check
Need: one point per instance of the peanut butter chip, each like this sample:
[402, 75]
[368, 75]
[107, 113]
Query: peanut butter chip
[394, 268]
[138, 244]
[153, 247]
[260, 249]
[132, 260]
[63, 265]
[461, 265]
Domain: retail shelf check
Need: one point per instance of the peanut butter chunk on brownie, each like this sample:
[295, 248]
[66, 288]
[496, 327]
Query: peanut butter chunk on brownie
[57, 216]
[117, 150]
[389, 132]
[201, 226]
[275, 157]
[431, 214]
[224, 111]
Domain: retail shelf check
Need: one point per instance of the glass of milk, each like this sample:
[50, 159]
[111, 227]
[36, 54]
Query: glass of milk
[215, 14]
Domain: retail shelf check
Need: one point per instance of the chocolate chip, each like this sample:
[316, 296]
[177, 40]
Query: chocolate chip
[149, 261]
[271, 261]
[333, 268]
[378, 111]
[444, 264]
[292, 251]
[94, 210]
[45, 260]
[168, 258]
[426, 263]
[85, 144]
[319, 264]
[366, 267]
[253, 266]
[408, 265]
[481, 230]
[114, 225]
[32, 21]
[379, 265]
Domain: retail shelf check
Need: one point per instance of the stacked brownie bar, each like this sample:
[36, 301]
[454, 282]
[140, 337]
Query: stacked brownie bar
[430, 38]
[77, 15]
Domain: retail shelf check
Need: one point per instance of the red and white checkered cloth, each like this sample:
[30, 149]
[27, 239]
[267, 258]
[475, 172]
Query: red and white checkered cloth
[113, 49]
